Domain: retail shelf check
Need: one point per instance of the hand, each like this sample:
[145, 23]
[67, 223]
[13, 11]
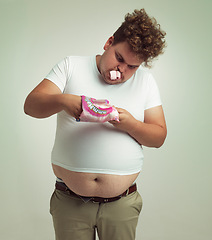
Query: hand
[126, 120]
[151, 133]
[72, 104]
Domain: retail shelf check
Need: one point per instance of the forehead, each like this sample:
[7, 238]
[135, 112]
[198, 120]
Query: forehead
[128, 55]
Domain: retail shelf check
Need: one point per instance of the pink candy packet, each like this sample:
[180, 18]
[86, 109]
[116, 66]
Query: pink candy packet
[97, 111]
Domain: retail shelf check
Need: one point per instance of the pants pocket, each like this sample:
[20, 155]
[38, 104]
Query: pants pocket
[139, 202]
[136, 202]
[52, 205]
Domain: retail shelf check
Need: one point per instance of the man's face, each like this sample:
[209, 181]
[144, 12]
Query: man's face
[117, 57]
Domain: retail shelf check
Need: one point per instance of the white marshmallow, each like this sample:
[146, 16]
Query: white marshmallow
[118, 75]
[114, 75]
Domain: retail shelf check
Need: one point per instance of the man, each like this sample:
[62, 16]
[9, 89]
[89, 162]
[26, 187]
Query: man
[96, 164]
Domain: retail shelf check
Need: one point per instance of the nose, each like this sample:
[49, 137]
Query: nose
[121, 68]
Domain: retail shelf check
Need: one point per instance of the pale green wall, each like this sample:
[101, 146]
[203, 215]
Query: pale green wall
[176, 179]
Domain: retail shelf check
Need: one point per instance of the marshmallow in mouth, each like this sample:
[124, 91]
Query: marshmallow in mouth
[114, 75]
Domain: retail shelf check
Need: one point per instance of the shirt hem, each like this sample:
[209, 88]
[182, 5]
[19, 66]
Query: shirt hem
[101, 171]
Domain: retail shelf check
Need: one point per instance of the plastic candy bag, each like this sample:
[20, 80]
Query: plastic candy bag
[97, 111]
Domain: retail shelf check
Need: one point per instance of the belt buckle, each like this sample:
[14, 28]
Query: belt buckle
[93, 200]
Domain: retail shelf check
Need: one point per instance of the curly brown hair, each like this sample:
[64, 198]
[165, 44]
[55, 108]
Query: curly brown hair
[143, 34]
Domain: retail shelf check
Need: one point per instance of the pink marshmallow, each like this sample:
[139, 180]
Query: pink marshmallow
[114, 75]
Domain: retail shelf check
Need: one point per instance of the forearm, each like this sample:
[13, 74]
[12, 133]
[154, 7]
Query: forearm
[146, 134]
[42, 105]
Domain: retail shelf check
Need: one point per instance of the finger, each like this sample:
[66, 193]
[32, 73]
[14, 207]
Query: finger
[120, 110]
[113, 122]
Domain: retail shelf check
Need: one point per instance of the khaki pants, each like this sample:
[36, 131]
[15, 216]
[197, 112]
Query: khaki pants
[76, 220]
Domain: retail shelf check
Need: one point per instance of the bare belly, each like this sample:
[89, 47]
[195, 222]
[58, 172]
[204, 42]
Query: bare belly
[95, 184]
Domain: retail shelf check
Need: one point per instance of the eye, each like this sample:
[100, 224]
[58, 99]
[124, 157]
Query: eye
[131, 67]
[119, 58]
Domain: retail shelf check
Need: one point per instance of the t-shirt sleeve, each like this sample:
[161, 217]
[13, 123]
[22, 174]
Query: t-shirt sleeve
[60, 73]
[153, 95]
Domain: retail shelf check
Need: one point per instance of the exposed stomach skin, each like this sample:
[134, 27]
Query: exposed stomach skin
[94, 184]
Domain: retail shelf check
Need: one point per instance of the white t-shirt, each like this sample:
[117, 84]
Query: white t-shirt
[100, 147]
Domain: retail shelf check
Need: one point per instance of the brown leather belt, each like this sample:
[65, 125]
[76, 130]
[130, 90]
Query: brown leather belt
[62, 187]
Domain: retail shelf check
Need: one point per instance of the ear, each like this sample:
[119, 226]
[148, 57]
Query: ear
[109, 42]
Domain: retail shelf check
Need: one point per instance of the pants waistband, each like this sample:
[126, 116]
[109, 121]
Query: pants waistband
[62, 187]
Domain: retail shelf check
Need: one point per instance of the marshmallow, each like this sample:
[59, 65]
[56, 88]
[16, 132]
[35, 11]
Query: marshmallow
[114, 75]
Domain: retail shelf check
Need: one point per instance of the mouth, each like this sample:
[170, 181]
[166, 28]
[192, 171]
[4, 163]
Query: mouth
[110, 81]
[113, 82]
[115, 75]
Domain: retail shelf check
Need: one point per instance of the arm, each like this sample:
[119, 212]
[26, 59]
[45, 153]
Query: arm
[151, 133]
[47, 99]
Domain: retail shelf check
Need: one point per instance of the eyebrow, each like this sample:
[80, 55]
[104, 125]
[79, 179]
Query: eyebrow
[120, 56]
